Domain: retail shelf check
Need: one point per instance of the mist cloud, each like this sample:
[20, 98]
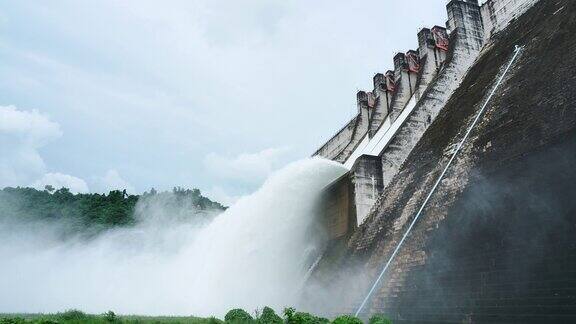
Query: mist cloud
[174, 261]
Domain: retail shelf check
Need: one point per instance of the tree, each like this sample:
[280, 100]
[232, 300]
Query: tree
[347, 319]
[269, 317]
[294, 317]
[379, 319]
[73, 315]
[238, 315]
[110, 316]
[90, 213]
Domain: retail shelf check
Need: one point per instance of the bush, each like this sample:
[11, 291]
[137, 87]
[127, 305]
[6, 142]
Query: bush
[347, 319]
[12, 320]
[293, 317]
[110, 317]
[269, 317]
[238, 316]
[379, 319]
[213, 320]
[73, 315]
[48, 321]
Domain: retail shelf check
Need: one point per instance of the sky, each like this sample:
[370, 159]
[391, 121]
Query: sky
[208, 94]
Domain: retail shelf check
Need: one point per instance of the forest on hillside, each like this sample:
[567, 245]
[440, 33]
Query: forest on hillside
[94, 212]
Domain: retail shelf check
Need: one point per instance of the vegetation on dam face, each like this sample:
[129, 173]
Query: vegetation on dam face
[238, 316]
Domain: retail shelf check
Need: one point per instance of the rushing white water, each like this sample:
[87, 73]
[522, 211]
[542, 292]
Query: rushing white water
[250, 256]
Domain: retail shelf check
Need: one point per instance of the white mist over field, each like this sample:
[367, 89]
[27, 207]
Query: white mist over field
[251, 255]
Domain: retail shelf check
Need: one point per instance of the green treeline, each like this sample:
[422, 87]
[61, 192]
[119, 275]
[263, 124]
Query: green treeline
[91, 211]
[235, 316]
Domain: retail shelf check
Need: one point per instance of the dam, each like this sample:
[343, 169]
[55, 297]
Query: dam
[393, 116]
[495, 243]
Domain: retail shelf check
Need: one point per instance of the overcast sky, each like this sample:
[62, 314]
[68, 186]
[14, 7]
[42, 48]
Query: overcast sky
[213, 94]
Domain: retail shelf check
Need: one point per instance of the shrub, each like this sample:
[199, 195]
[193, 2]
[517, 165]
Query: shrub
[293, 317]
[379, 319]
[73, 315]
[213, 320]
[110, 316]
[12, 320]
[238, 316]
[269, 317]
[48, 321]
[347, 319]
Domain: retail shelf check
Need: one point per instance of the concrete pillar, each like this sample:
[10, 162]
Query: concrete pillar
[382, 95]
[338, 209]
[365, 103]
[465, 19]
[402, 83]
[390, 82]
[366, 176]
[441, 44]
[400, 65]
[413, 66]
[424, 41]
[433, 45]
[497, 14]
[488, 13]
[356, 129]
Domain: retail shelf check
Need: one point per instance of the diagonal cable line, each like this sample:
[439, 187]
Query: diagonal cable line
[517, 51]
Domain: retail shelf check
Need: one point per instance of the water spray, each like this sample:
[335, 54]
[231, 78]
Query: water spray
[517, 51]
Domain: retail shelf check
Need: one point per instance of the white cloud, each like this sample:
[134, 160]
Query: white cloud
[251, 74]
[30, 126]
[220, 195]
[59, 180]
[22, 133]
[236, 176]
[251, 168]
[112, 181]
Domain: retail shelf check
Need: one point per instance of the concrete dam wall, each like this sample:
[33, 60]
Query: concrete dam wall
[496, 242]
[392, 117]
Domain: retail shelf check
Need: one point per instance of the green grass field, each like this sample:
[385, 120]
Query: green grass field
[73, 317]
